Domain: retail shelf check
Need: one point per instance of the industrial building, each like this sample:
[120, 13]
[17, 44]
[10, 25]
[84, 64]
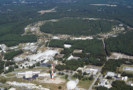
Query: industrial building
[28, 74]
[128, 69]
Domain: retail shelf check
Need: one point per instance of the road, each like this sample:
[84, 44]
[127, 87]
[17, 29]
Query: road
[90, 88]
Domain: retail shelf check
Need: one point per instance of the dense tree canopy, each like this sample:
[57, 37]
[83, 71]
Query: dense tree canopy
[122, 43]
[112, 65]
[78, 26]
[11, 54]
[88, 46]
[120, 85]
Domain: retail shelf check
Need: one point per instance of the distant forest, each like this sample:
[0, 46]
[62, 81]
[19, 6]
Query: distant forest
[123, 43]
[78, 26]
[15, 15]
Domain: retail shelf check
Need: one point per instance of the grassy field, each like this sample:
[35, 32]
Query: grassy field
[45, 85]
[85, 84]
[34, 69]
[11, 77]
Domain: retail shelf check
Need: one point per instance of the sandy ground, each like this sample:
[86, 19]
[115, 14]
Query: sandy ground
[115, 55]
[46, 11]
[55, 81]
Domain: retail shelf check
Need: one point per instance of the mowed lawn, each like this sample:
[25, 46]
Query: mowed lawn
[85, 84]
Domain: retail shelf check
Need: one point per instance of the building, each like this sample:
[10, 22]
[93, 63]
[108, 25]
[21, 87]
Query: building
[30, 47]
[67, 46]
[72, 58]
[27, 74]
[77, 51]
[91, 71]
[71, 85]
[110, 74]
[56, 38]
[44, 75]
[3, 47]
[130, 69]
[104, 83]
[125, 78]
[60, 56]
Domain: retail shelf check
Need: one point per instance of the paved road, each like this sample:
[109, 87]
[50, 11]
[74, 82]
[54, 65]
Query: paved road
[90, 88]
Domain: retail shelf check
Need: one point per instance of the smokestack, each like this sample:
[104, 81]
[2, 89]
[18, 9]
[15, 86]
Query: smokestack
[52, 71]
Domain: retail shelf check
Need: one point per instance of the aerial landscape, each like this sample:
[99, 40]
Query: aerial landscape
[66, 44]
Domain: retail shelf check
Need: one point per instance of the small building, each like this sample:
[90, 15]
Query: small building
[72, 58]
[3, 47]
[56, 38]
[6, 68]
[67, 46]
[80, 68]
[121, 25]
[91, 71]
[77, 51]
[28, 74]
[60, 56]
[125, 78]
[104, 83]
[110, 74]
[130, 69]
[44, 75]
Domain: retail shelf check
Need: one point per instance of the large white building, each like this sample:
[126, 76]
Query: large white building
[27, 74]
[130, 69]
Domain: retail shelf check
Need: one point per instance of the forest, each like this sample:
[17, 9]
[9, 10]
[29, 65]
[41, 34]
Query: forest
[78, 26]
[113, 65]
[117, 85]
[95, 47]
[121, 44]
[14, 39]
[11, 54]
[74, 64]
[7, 64]
[15, 19]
